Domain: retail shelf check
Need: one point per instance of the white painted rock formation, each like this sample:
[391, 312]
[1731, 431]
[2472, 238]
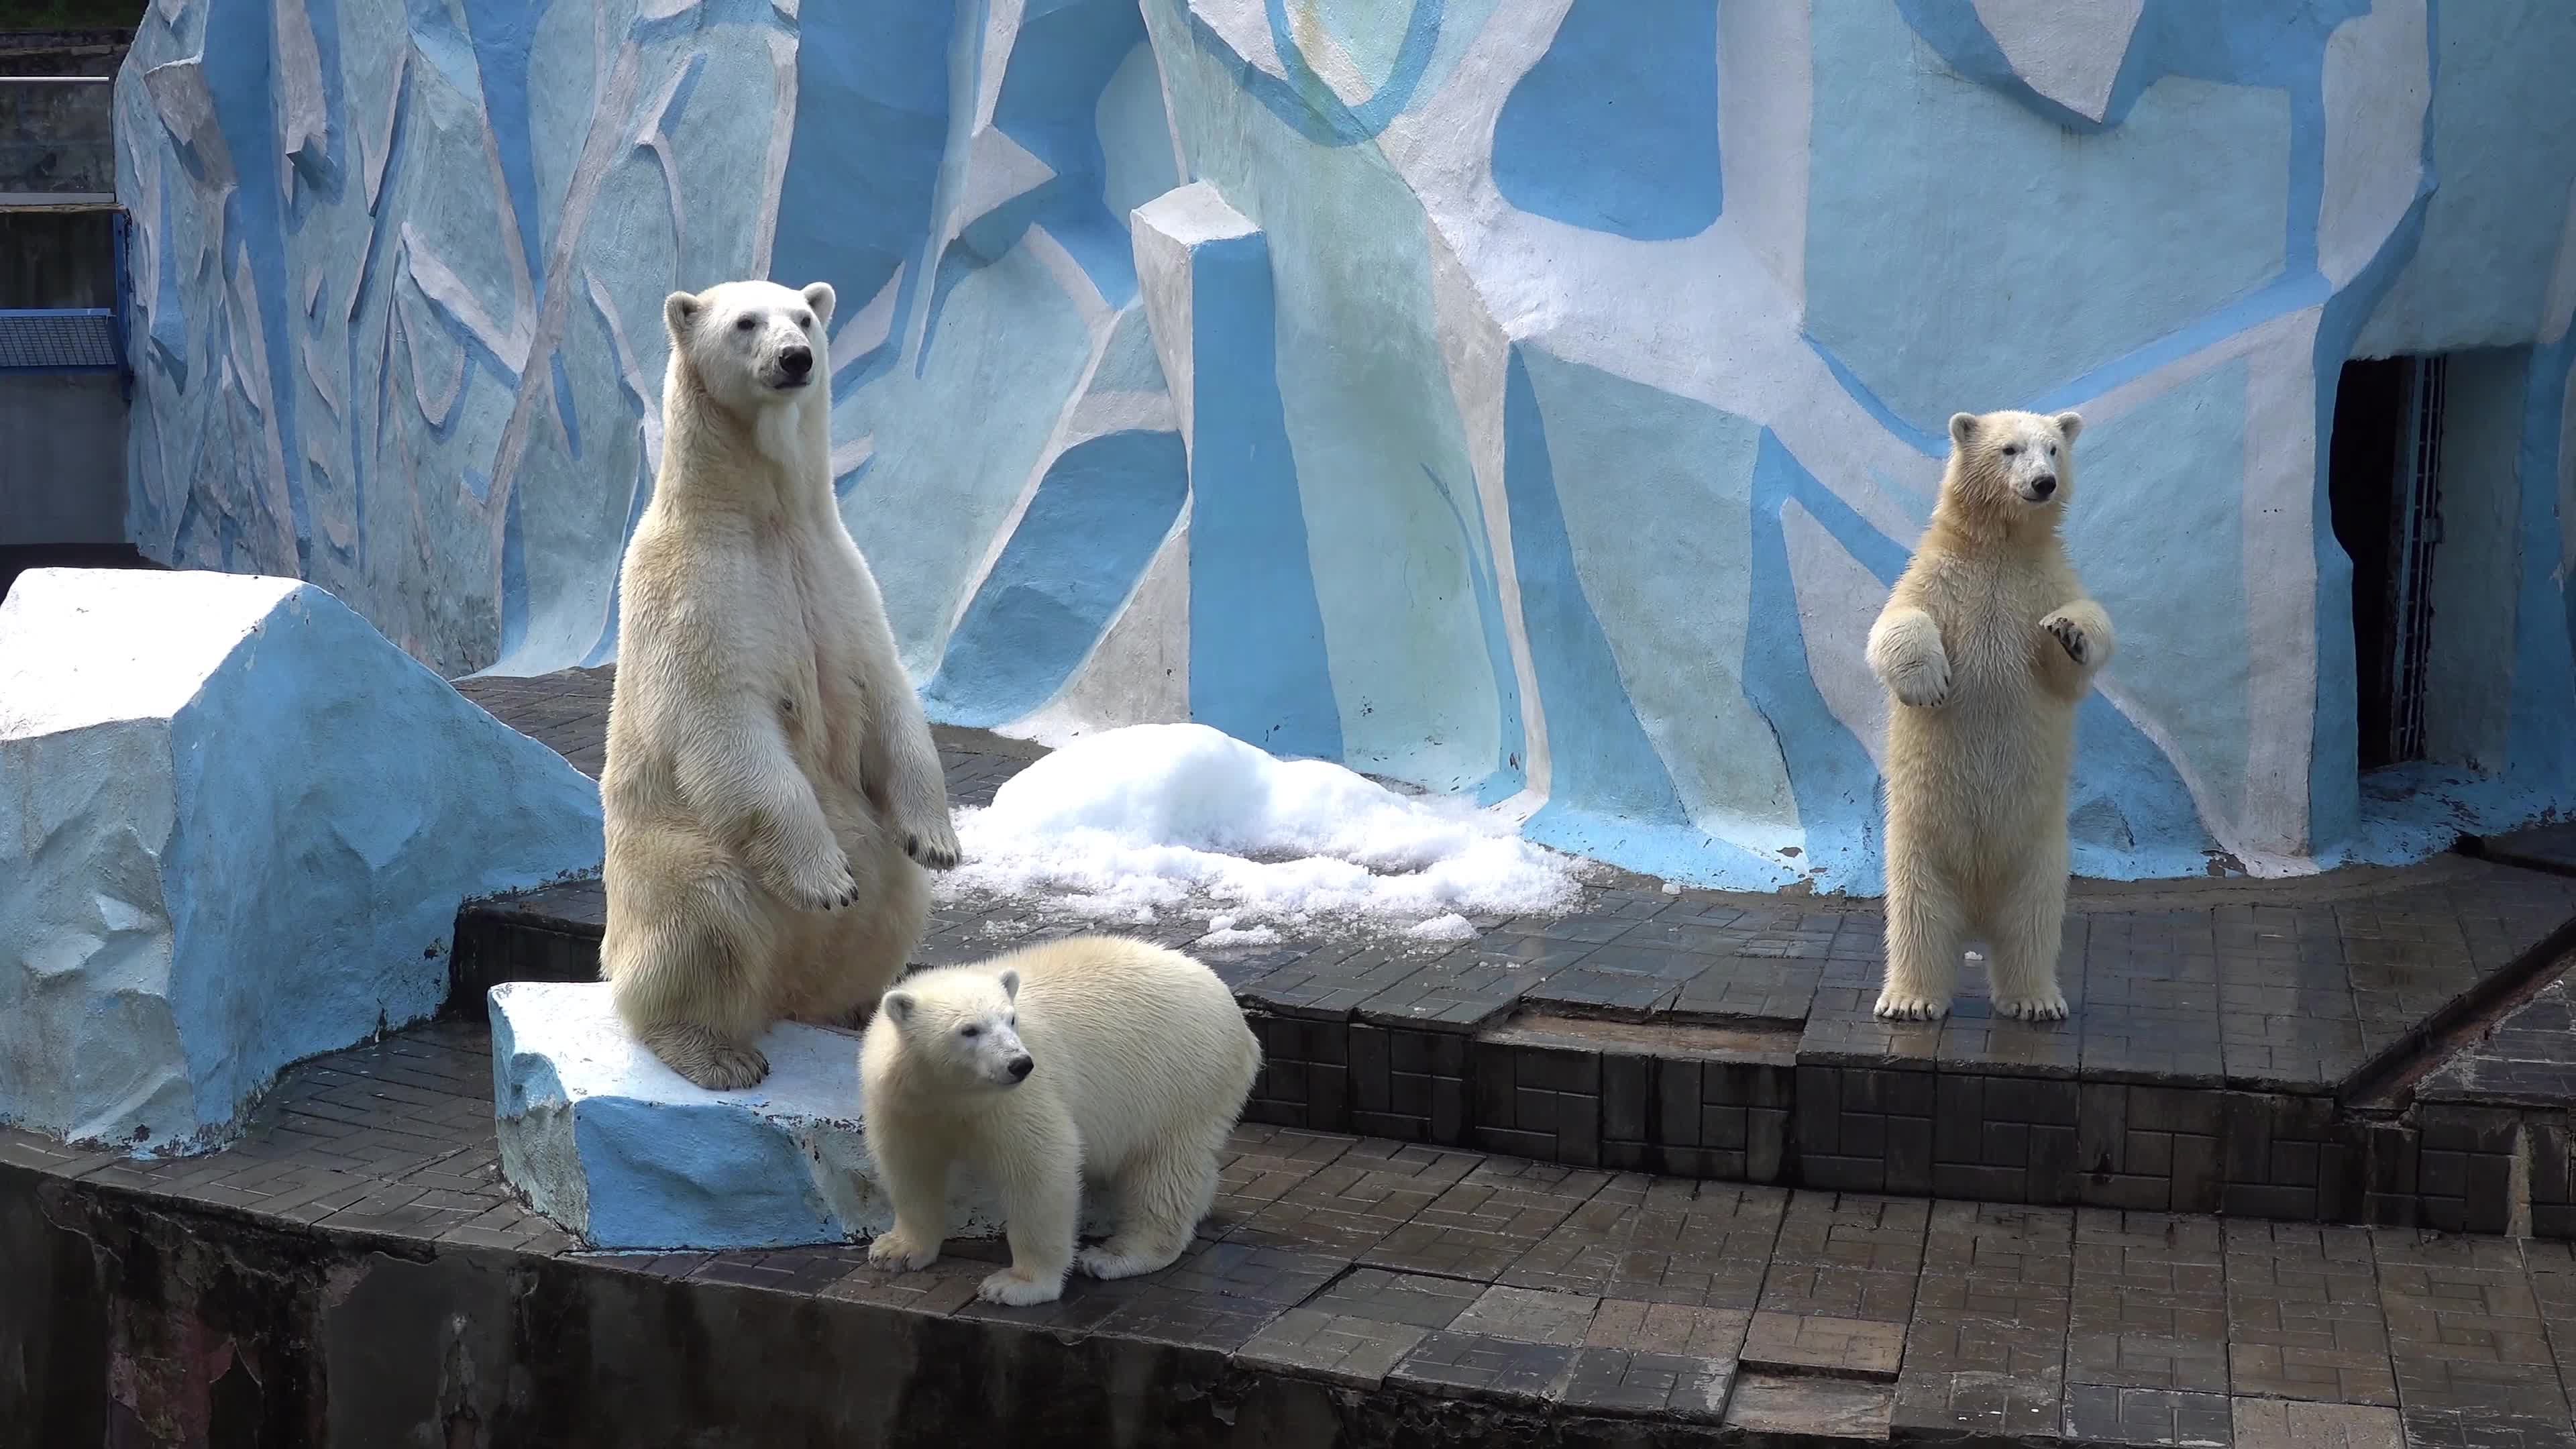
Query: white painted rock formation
[235, 826]
[623, 1152]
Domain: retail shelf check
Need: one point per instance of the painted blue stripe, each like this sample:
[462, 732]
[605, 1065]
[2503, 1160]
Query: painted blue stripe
[1511, 737]
[169, 306]
[240, 46]
[604, 648]
[514, 576]
[1929, 444]
[1062, 63]
[2279, 46]
[863, 166]
[1830, 774]
[564, 408]
[1094, 525]
[1601, 761]
[1615, 128]
[502, 32]
[1303, 100]
[324, 177]
[2295, 292]
[1257, 655]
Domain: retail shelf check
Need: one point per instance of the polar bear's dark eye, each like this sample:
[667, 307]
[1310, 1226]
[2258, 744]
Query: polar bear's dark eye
[804, 319]
[745, 324]
[2052, 450]
[969, 1032]
[2011, 449]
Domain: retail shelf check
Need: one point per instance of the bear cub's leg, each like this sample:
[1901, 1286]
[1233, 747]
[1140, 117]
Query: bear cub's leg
[1161, 1198]
[1042, 1206]
[2028, 929]
[916, 1177]
[1924, 938]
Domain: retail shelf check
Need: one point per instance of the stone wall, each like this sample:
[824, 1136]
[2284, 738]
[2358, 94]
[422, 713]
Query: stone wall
[1527, 398]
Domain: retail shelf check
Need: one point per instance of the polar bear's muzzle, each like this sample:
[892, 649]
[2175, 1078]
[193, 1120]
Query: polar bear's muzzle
[793, 368]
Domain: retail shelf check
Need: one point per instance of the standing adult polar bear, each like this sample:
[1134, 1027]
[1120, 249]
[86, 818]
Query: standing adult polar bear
[1988, 644]
[771, 788]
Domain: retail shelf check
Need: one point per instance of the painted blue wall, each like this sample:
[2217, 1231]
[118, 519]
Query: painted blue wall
[1551, 439]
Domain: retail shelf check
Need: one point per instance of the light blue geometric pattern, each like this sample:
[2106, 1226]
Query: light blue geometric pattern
[1548, 431]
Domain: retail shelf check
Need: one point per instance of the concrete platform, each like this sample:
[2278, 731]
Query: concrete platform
[2237, 1046]
[355, 1265]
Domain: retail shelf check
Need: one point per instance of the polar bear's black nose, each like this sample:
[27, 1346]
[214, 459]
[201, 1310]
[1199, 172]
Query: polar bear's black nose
[2043, 485]
[1021, 1066]
[796, 361]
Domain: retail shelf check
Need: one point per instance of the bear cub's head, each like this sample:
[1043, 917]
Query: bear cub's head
[752, 344]
[2012, 461]
[961, 1030]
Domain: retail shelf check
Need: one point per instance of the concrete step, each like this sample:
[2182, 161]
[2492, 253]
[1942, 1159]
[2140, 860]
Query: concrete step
[2244, 1048]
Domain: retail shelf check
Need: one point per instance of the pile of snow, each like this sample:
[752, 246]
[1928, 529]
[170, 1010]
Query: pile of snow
[1132, 824]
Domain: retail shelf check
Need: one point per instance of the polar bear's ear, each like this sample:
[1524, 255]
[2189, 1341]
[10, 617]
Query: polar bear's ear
[679, 311]
[1011, 983]
[898, 1007]
[2070, 424]
[820, 297]
[1963, 426]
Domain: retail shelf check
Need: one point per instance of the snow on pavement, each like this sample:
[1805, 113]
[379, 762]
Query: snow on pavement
[1137, 825]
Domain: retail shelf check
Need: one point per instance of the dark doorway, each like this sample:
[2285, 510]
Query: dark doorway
[2381, 485]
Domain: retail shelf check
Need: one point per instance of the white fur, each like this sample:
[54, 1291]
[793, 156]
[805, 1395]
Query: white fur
[1988, 644]
[1140, 1064]
[770, 780]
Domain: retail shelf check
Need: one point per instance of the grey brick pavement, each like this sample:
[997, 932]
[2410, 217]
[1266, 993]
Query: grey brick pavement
[1548, 1289]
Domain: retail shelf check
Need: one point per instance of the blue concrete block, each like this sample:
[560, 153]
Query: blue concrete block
[238, 826]
[624, 1153]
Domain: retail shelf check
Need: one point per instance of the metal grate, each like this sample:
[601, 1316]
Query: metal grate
[68, 339]
[2416, 529]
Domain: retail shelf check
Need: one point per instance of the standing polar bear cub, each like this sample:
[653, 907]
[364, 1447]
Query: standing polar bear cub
[771, 789]
[1988, 644]
[1096, 1058]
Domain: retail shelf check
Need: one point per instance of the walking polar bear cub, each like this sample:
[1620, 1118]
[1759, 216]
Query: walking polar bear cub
[1097, 1058]
[771, 789]
[1988, 644]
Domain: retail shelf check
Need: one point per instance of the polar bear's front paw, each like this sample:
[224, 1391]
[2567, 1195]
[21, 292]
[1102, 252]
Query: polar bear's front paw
[2049, 1005]
[1895, 1005]
[2070, 637]
[825, 884]
[1012, 1289]
[894, 1249]
[934, 845]
[1921, 683]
